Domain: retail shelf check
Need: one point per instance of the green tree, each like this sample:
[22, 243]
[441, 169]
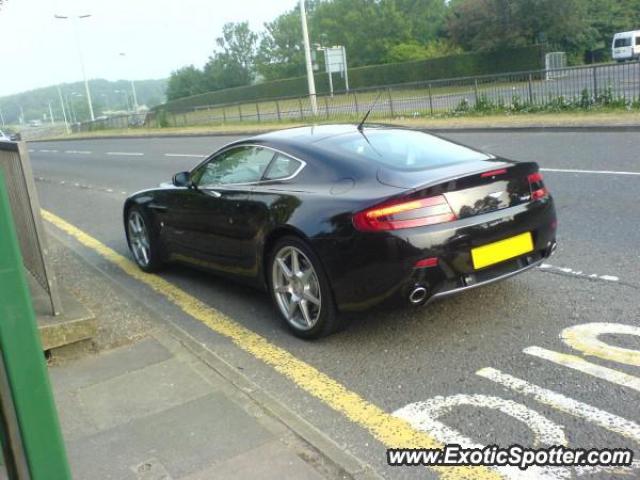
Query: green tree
[411, 51]
[234, 64]
[184, 82]
[367, 28]
[488, 24]
[280, 54]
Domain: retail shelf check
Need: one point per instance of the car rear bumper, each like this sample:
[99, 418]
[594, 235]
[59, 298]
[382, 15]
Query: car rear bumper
[371, 269]
[514, 267]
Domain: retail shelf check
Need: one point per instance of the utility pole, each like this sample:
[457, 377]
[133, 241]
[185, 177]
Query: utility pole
[64, 111]
[307, 55]
[1, 117]
[346, 69]
[75, 19]
[133, 90]
[51, 119]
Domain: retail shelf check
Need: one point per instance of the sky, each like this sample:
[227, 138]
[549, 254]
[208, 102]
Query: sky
[157, 37]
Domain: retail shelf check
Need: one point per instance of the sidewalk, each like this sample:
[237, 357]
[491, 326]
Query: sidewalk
[152, 411]
[140, 402]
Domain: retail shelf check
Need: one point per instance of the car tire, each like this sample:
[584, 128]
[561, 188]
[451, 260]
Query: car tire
[306, 319]
[142, 240]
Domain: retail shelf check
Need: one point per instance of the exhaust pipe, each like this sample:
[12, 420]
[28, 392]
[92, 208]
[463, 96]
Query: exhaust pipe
[417, 295]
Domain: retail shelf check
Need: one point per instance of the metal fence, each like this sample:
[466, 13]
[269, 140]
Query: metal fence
[554, 87]
[132, 120]
[25, 207]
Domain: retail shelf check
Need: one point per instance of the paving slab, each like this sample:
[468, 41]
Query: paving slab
[250, 465]
[142, 392]
[98, 368]
[186, 438]
[148, 412]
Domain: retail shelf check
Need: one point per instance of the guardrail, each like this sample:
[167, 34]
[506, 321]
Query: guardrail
[23, 199]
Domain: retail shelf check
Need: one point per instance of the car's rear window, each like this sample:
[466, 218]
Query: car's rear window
[403, 149]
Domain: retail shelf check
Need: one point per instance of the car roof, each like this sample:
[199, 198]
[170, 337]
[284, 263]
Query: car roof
[315, 133]
[626, 34]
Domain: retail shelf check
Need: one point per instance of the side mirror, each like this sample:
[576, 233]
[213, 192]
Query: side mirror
[182, 179]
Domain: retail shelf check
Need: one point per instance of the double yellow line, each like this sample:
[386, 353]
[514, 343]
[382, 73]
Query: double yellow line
[389, 430]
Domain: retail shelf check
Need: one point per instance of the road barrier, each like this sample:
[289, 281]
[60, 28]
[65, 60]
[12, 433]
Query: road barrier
[25, 207]
[30, 434]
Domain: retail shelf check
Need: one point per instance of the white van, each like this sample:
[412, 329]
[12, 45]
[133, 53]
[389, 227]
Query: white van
[626, 46]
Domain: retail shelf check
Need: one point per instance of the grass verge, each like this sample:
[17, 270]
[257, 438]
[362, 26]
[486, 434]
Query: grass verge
[515, 120]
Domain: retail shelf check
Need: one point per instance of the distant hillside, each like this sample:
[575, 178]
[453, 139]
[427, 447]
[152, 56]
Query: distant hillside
[106, 96]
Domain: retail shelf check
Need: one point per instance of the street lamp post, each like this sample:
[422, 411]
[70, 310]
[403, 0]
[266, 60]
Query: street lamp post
[75, 19]
[51, 119]
[72, 108]
[64, 111]
[307, 55]
[133, 90]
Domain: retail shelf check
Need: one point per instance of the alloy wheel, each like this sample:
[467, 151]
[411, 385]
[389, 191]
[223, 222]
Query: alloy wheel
[139, 238]
[296, 288]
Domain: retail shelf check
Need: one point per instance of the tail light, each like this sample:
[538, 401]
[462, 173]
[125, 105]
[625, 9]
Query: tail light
[404, 214]
[538, 190]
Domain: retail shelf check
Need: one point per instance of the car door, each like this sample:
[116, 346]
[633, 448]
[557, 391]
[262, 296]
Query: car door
[210, 223]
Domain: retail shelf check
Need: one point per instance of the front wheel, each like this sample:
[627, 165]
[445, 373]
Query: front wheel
[143, 245]
[300, 290]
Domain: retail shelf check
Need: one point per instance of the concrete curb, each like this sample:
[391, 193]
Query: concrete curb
[495, 129]
[353, 466]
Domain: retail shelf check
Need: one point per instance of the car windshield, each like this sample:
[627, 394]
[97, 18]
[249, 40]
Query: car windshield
[623, 42]
[403, 149]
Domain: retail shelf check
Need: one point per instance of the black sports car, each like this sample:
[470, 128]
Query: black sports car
[339, 218]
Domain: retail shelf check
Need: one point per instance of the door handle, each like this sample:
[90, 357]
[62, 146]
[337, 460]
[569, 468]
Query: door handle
[160, 208]
[212, 193]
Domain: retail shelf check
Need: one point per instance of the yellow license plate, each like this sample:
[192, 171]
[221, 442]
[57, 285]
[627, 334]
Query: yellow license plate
[497, 252]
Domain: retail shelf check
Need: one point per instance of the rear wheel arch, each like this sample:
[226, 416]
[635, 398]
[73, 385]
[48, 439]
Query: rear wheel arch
[328, 320]
[270, 241]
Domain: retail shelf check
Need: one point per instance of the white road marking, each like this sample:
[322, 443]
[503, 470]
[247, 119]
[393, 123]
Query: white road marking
[581, 365]
[80, 152]
[585, 339]
[48, 151]
[423, 416]
[127, 154]
[601, 172]
[579, 273]
[184, 155]
[558, 401]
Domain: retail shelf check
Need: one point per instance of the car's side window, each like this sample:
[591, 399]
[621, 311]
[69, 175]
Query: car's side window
[236, 165]
[282, 167]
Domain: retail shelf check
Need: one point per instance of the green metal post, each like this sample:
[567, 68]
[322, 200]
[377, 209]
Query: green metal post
[26, 372]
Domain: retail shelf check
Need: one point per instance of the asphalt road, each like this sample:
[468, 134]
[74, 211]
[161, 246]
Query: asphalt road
[431, 360]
